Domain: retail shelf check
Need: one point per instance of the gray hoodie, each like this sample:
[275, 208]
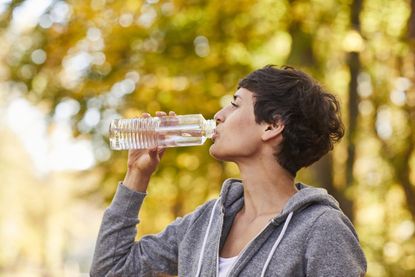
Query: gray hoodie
[310, 237]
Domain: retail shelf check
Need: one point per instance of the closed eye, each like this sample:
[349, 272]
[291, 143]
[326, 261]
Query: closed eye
[233, 104]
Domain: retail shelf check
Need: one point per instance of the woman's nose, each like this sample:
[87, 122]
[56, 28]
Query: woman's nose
[218, 117]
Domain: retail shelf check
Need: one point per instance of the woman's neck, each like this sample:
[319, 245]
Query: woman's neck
[267, 188]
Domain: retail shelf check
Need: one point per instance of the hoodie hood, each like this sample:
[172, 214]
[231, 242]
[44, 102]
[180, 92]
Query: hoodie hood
[232, 198]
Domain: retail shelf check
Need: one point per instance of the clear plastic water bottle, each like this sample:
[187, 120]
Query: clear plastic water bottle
[165, 131]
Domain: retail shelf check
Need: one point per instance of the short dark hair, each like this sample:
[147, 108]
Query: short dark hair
[310, 114]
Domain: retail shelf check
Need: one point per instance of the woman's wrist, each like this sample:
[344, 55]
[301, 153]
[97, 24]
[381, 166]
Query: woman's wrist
[136, 181]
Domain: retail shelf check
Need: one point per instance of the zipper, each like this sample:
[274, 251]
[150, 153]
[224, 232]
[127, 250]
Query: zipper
[245, 249]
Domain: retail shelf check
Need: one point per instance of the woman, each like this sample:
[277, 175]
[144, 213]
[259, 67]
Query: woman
[265, 224]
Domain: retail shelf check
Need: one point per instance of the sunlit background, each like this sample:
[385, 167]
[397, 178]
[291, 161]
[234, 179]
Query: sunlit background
[69, 67]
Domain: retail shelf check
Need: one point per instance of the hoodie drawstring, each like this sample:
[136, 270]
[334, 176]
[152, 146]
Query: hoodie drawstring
[274, 247]
[199, 265]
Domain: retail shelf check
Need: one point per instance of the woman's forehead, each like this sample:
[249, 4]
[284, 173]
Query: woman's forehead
[243, 93]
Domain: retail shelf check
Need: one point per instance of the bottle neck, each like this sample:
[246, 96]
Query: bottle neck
[210, 125]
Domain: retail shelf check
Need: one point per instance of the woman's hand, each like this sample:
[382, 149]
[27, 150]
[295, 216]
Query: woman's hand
[142, 163]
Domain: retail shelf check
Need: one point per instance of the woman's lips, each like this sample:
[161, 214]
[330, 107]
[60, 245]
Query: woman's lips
[215, 135]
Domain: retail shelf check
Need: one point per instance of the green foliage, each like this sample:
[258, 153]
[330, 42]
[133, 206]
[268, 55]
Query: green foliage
[121, 58]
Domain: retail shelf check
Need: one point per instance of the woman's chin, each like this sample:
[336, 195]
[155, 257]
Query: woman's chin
[215, 152]
[212, 151]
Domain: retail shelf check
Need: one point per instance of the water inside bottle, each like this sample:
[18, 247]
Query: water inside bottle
[168, 131]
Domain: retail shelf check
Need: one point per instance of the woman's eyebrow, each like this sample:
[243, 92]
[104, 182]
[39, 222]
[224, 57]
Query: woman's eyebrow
[236, 96]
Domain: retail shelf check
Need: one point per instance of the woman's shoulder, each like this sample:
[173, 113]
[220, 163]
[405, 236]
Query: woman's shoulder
[318, 216]
[325, 221]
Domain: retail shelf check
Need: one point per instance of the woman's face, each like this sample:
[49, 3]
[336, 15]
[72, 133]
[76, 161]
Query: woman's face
[237, 134]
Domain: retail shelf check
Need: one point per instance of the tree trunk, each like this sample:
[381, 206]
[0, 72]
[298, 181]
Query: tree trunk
[302, 54]
[323, 173]
[402, 168]
[354, 65]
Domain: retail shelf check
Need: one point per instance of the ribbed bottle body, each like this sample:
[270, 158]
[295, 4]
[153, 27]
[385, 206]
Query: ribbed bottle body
[166, 131]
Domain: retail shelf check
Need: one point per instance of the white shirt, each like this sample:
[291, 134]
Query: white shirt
[225, 265]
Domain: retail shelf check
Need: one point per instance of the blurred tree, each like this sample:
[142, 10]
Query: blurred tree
[92, 61]
[305, 49]
[386, 90]
[402, 165]
[354, 65]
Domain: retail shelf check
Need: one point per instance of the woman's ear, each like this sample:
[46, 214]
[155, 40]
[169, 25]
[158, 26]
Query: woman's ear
[272, 130]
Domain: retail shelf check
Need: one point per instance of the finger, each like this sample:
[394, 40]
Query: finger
[152, 152]
[153, 157]
[173, 120]
[131, 152]
[161, 151]
[160, 113]
[152, 149]
[134, 152]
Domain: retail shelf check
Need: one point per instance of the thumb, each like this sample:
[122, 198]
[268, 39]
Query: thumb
[153, 153]
[161, 151]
